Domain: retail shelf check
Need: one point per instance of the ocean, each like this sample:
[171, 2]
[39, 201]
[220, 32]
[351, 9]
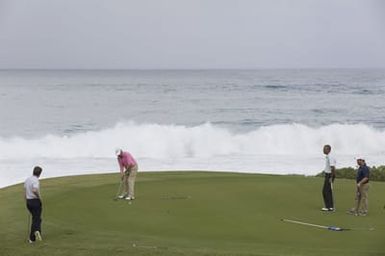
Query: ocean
[254, 121]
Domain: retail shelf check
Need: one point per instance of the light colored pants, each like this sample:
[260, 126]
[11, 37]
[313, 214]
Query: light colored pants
[129, 180]
[361, 205]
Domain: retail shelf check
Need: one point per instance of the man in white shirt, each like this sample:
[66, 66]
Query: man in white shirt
[330, 174]
[33, 201]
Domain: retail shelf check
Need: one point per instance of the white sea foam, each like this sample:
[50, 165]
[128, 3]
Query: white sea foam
[288, 148]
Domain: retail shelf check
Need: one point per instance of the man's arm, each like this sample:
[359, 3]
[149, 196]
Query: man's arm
[36, 192]
[364, 180]
[333, 170]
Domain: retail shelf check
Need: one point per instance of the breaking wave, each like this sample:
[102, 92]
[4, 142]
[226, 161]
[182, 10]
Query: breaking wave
[203, 141]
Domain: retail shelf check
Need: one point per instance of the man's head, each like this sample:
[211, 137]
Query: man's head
[327, 149]
[37, 171]
[118, 152]
[360, 160]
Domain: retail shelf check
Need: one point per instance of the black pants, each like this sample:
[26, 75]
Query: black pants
[35, 208]
[327, 191]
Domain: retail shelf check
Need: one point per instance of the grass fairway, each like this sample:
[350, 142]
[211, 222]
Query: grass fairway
[192, 213]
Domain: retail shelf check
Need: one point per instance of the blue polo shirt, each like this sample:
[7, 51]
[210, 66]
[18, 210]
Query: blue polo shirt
[362, 172]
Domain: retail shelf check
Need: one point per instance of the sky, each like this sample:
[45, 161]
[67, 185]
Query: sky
[191, 34]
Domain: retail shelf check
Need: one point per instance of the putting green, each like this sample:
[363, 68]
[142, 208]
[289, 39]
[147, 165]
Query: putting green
[192, 213]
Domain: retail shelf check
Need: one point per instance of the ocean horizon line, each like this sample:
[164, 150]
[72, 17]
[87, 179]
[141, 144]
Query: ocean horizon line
[194, 69]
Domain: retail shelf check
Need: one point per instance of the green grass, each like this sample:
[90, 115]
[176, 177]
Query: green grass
[192, 213]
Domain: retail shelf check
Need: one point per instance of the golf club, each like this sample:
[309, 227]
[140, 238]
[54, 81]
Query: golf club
[358, 195]
[144, 246]
[29, 225]
[175, 197]
[333, 197]
[119, 191]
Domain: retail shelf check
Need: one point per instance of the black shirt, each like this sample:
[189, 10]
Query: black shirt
[362, 172]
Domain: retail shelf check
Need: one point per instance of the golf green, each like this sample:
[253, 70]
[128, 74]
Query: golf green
[192, 213]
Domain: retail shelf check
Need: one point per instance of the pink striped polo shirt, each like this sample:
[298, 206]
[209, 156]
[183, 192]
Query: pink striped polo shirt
[125, 161]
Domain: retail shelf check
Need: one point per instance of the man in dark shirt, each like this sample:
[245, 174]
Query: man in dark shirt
[362, 183]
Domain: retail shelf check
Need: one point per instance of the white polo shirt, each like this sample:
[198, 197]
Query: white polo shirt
[29, 184]
[329, 162]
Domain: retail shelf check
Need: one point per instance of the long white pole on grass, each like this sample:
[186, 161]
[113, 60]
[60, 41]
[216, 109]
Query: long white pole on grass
[313, 225]
[333, 228]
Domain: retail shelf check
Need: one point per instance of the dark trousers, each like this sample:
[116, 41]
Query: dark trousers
[34, 206]
[327, 191]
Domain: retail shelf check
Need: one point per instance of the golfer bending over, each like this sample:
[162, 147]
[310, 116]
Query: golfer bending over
[34, 206]
[128, 170]
[330, 174]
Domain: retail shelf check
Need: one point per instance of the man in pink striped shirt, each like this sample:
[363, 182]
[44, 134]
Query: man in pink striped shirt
[128, 170]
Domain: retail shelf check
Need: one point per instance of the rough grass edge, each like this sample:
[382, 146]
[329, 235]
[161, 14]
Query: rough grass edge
[376, 173]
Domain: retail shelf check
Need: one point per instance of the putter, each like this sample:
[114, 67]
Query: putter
[119, 191]
[333, 198]
[144, 246]
[175, 197]
[29, 225]
[358, 195]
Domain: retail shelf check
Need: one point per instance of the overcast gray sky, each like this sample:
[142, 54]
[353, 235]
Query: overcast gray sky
[125, 34]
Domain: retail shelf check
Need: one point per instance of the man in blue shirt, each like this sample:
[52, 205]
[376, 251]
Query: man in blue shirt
[362, 183]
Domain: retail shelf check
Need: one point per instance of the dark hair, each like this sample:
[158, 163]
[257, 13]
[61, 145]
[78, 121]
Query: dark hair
[328, 146]
[37, 171]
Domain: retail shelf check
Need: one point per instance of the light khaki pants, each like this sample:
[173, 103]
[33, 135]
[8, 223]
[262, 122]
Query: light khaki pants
[361, 205]
[129, 180]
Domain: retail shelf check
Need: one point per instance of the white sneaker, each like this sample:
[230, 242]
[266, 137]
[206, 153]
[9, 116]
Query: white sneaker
[324, 209]
[121, 196]
[38, 236]
[129, 198]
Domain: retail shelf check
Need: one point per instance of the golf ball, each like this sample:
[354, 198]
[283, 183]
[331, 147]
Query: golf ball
[133, 245]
